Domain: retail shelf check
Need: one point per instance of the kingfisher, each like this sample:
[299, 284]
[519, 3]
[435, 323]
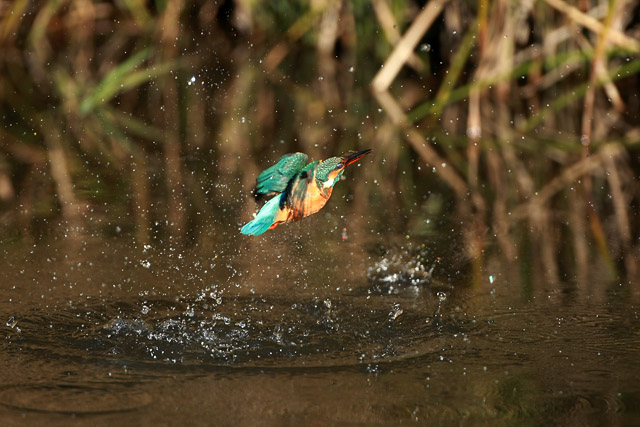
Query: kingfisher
[298, 189]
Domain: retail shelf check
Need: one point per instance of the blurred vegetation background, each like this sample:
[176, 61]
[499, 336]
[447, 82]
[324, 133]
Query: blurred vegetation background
[518, 121]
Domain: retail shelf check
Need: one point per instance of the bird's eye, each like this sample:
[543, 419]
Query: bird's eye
[339, 166]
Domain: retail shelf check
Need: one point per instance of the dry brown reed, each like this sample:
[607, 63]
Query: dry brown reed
[492, 89]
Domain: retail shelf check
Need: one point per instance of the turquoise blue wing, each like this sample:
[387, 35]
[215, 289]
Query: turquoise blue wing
[295, 195]
[275, 179]
[265, 218]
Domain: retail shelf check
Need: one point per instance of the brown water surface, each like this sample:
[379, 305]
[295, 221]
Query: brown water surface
[279, 331]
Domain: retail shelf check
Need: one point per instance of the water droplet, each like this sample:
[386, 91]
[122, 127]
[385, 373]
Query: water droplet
[426, 47]
[12, 322]
[145, 263]
[396, 311]
[373, 369]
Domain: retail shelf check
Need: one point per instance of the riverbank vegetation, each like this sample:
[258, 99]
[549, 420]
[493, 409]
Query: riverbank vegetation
[521, 120]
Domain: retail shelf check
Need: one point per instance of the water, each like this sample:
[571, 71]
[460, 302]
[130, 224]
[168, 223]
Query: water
[104, 331]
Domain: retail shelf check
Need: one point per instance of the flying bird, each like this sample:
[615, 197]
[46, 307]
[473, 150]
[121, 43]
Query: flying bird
[298, 189]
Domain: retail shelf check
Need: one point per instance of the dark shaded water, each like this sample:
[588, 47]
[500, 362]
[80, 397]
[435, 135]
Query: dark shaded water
[104, 331]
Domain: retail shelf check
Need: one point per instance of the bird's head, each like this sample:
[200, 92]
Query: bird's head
[330, 170]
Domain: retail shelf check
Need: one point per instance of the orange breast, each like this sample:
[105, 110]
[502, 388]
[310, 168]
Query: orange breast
[315, 199]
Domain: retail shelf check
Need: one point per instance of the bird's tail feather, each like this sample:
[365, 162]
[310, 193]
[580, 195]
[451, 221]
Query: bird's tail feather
[265, 218]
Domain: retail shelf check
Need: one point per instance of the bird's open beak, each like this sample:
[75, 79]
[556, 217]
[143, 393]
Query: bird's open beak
[352, 157]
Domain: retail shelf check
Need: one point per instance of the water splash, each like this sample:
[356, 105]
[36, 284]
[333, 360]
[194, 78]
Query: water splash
[401, 269]
[395, 312]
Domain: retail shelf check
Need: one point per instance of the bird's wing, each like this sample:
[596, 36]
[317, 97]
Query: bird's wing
[276, 178]
[295, 195]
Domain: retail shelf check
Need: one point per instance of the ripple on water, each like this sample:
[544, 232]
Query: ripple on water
[246, 331]
[73, 398]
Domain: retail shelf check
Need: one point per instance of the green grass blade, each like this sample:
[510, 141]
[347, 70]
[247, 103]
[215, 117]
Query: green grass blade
[115, 81]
